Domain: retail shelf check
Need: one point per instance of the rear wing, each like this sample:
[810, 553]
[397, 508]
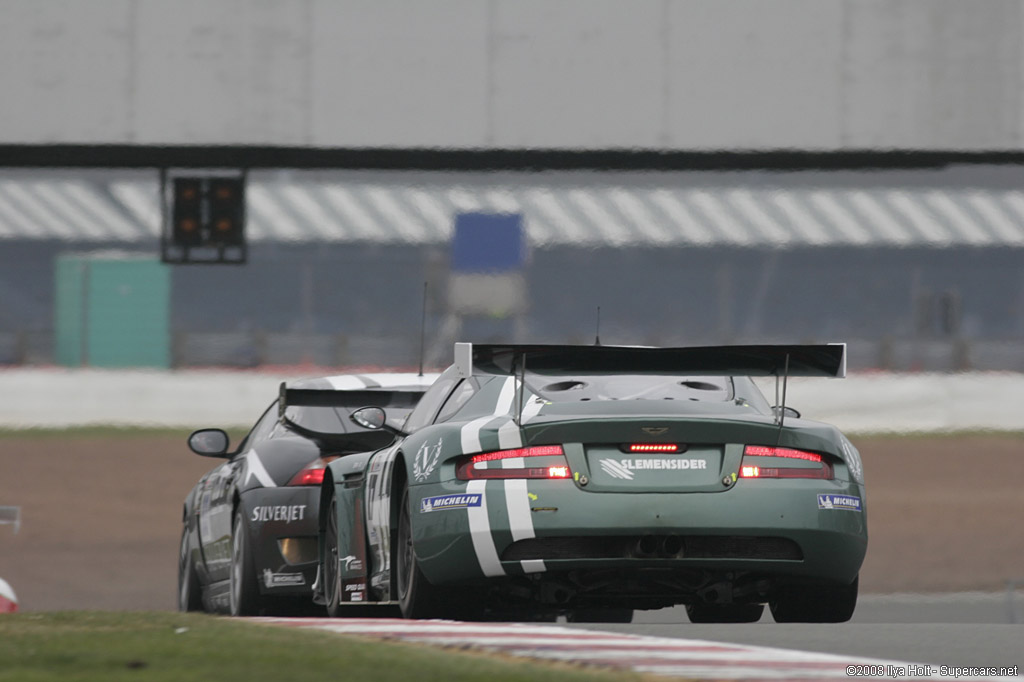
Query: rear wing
[822, 360]
[405, 397]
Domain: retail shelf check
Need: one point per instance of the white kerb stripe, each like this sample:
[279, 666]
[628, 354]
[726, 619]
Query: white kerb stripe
[480, 532]
[7, 592]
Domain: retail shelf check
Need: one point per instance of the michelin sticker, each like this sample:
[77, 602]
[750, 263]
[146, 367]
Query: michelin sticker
[828, 501]
[271, 579]
[432, 504]
[426, 459]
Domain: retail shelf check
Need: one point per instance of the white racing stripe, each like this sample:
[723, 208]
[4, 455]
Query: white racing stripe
[480, 532]
[471, 431]
[479, 521]
[532, 408]
[509, 436]
[520, 521]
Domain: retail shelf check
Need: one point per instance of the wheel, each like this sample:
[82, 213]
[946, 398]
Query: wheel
[417, 598]
[244, 592]
[189, 596]
[724, 613]
[329, 562]
[600, 616]
[816, 604]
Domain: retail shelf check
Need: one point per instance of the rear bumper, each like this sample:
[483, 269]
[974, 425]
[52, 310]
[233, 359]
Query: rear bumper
[283, 533]
[773, 528]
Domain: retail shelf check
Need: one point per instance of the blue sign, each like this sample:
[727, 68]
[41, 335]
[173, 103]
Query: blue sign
[488, 243]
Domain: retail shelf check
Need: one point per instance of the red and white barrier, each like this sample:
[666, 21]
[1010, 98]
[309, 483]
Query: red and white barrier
[8, 600]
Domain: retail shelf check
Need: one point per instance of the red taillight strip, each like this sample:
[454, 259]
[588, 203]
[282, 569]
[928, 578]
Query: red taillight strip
[535, 451]
[768, 451]
[466, 469]
[748, 470]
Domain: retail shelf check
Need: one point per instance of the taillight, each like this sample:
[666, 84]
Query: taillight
[771, 463]
[553, 466]
[312, 473]
[653, 447]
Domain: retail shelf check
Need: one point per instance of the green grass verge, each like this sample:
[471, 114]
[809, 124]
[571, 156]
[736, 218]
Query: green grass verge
[177, 647]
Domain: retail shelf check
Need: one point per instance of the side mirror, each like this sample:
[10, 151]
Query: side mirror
[209, 442]
[372, 418]
[788, 411]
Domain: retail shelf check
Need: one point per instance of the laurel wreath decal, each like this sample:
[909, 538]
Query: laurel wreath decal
[426, 459]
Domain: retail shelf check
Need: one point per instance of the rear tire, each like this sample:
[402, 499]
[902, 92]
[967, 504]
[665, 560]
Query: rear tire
[329, 566]
[244, 591]
[599, 616]
[417, 597]
[816, 604]
[190, 596]
[724, 613]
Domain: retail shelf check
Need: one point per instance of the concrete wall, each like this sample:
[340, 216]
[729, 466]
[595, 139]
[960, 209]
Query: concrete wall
[864, 403]
[677, 74]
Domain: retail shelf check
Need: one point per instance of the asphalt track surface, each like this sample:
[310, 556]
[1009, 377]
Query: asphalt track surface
[968, 629]
[664, 643]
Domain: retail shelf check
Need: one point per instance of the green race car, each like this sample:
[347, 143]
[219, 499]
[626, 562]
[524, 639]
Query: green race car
[590, 481]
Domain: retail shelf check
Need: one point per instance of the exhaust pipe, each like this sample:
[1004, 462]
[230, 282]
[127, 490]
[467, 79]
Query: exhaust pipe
[672, 545]
[646, 546]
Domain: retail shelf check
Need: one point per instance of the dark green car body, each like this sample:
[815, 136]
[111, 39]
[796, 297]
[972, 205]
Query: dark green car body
[618, 479]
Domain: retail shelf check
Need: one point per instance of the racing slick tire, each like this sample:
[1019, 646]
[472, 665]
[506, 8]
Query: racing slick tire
[600, 616]
[417, 597]
[244, 591]
[329, 563]
[816, 604]
[189, 596]
[724, 613]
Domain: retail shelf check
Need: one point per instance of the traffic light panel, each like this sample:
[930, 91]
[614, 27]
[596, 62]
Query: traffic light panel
[208, 212]
[186, 229]
[226, 203]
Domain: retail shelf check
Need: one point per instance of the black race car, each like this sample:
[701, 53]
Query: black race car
[249, 527]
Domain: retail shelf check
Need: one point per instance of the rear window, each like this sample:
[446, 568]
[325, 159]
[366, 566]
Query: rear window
[630, 387]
